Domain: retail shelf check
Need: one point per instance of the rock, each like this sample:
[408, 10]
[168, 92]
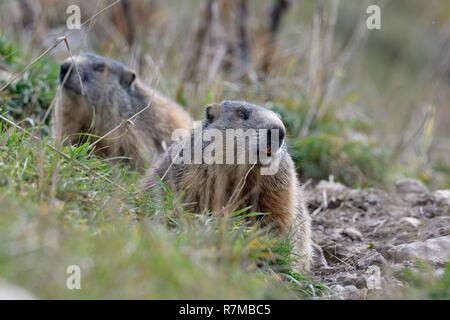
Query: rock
[337, 291]
[349, 278]
[10, 291]
[434, 228]
[330, 194]
[410, 186]
[352, 233]
[396, 267]
[361, 282]
[330, 186]
[372, 258]
[336, 234]
[373, 279]
[442, 197]
[435, 251]
[411, 221]
[341, 250]
[319, 260]
[351, 292]
[347, 292]
[368, 236]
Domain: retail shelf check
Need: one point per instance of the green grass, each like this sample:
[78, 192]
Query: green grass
[30, 96]
[422, 283]
[54, 214]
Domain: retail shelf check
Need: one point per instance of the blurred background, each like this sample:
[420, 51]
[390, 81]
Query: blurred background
[366, 106]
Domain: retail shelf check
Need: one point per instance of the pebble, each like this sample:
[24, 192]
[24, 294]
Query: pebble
[353, 233]
[410, 186]
[435, 251]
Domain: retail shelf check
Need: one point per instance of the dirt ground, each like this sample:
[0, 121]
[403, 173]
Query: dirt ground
[368, 235]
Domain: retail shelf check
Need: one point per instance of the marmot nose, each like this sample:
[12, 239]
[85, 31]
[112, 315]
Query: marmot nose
[63, 70]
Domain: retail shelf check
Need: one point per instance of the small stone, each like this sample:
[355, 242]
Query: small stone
[373, 277]
[442, 197]
[410, 186]
[372, 258]
[351, 292]
[396, 267]
[342, 250]
[361, 282]
[330, 186]
[411, 221]
[353, 233]
[435, 228]
[337, 291]
[347, 278]
[346, 292]
[319, 260]
[435, 251]
[353, 279]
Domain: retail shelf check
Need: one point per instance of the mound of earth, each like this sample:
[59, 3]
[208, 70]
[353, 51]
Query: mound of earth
[365, 236]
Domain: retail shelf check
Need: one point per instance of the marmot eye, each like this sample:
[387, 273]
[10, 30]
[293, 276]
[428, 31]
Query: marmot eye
[100, 67]
[243, 114]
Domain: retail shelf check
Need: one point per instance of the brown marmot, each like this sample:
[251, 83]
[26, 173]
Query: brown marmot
[220, 186]
[110, 94]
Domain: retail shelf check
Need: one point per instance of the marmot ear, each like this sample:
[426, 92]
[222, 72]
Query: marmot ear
[128, 77]
[212, 111]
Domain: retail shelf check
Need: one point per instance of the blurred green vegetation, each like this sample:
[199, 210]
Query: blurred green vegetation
[335, 146]
[30, 95]
[423, 284]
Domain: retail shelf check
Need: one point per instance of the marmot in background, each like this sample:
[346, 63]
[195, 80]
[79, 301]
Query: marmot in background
[228, 187]
[111, 94]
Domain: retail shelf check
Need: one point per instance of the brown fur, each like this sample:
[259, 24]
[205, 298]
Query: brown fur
[113, 94]
[227, 187]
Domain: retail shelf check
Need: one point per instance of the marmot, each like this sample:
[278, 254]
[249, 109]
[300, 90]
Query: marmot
[217, 187]
[110, 94]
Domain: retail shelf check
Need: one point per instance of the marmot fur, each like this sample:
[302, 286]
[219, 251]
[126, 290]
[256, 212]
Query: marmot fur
[220, 187]
[110, 94]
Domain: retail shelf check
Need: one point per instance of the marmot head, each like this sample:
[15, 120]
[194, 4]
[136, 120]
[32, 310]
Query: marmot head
[261, 128]
[96, 77]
